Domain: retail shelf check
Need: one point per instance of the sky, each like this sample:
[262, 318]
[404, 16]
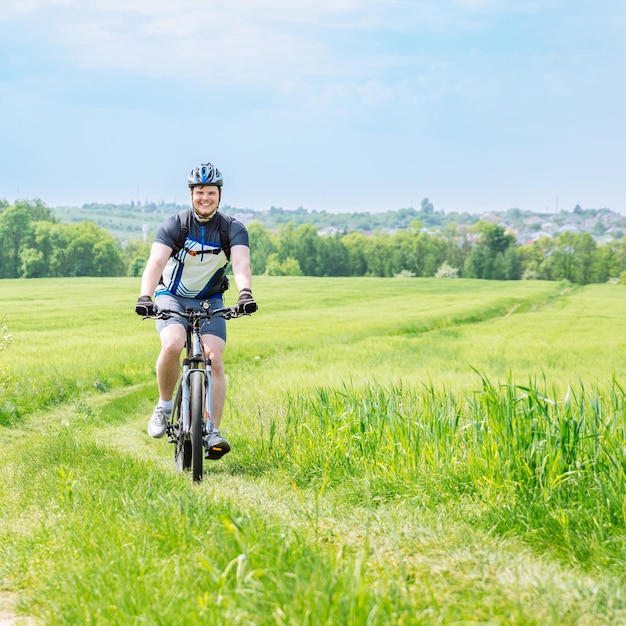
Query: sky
[335, 105]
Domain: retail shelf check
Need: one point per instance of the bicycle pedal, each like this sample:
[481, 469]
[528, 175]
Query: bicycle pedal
[216, 452]
[171, 433]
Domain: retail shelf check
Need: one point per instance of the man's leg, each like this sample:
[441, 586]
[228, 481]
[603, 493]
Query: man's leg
[214, 349]
[216, 444]
[168, 361]
[167, 371]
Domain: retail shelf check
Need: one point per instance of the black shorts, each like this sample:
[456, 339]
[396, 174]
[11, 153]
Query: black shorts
[216, 326]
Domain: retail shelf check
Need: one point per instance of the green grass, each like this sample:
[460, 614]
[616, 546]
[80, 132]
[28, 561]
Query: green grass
[406, 451]
[74, 335]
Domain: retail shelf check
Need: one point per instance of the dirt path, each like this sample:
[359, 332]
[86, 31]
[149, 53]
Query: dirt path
[7, 615]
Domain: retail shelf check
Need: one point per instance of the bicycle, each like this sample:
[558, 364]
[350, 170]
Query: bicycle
[191, 418]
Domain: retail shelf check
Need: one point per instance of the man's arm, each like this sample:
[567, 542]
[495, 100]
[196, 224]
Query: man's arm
[159, 256]
[240, 259]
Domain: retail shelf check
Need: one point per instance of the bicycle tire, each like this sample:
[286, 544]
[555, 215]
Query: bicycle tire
[182, 453]
[196, 380]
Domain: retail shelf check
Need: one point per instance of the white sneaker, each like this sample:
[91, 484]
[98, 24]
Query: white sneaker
[158, 422]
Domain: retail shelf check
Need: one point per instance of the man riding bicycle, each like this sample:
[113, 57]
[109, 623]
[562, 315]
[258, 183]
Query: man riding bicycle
[187, 266]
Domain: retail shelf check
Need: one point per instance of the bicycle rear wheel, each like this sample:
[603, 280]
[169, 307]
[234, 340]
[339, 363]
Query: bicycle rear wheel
[196, 380]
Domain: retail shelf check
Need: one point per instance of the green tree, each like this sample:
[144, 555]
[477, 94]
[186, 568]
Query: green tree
[332, 256]
[61, 258]
[355, 246]
[512, 264]
[457, 247]
[136, 253]
[433, 252]
[573, 257]
[32, 264]
[16, 232]
[604, 265]
[307, 249]
[107, 258]
[50, 238]
[536, 259]
[563, 257]
[486, 259]
[290, 267]
[619, 258]
[37, 210]
[91, 251]
[420, 254]
[498, 271]
[494, 237]
[585, 253]
[379, 254]
[403, 254]
[262, 245]
[276, 267]
[287, 242]
[479, 264]
[136, 267]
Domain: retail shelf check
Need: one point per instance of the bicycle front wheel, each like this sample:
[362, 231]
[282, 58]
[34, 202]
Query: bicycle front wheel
[182, 453]
[196, 380]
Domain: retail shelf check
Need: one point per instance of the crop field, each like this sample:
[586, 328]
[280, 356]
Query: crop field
[405, 451]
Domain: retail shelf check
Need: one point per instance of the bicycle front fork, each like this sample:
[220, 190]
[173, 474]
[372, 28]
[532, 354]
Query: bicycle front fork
[186, 396]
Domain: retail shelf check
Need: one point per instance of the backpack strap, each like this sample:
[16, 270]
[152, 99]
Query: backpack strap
[225, 221]
[183, 220]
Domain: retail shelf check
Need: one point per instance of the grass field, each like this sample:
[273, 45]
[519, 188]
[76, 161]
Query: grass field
[405, 451]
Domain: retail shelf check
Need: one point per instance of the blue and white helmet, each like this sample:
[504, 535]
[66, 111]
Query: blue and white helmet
[205, 174]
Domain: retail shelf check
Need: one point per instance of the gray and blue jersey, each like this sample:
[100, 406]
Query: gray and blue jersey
[197, 270]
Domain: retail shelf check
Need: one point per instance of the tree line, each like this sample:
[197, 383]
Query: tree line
[36, 245]
[484, 250]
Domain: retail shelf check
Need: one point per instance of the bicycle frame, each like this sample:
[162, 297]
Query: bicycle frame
[192, 417]
[195, 355]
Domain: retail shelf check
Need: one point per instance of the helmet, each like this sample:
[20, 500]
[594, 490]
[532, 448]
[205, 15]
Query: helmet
[205, 174]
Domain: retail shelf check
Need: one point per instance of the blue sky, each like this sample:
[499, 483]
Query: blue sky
[337, 105]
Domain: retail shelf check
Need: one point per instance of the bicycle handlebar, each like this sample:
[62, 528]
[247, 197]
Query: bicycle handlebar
[225, 312]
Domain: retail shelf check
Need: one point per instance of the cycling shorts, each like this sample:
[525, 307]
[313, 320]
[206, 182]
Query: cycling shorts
[216, 326]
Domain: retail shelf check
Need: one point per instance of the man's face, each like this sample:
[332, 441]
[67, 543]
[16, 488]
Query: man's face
[205, 199]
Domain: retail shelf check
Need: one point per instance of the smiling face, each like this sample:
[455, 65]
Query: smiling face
[205, 199]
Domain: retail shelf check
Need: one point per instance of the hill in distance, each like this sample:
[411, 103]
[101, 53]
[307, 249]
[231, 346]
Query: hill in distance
[139, 221]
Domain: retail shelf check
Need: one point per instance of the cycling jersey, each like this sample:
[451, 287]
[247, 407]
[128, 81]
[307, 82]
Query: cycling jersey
[198, 269]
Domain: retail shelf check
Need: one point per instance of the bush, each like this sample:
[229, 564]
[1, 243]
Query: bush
[288, 267]
[447, 271]
[404, 274]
